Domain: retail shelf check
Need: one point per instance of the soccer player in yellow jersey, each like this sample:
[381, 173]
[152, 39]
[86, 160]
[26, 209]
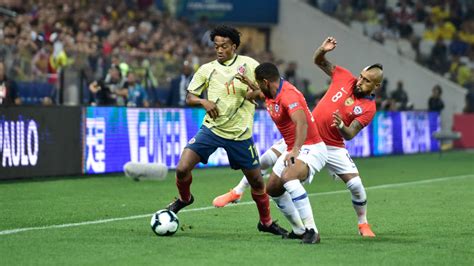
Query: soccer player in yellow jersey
[228, 124]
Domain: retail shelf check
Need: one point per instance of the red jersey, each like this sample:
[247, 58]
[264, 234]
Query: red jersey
[287, 101]
[340, 97]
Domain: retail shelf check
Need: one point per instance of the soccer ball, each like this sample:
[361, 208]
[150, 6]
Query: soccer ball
[164, 223]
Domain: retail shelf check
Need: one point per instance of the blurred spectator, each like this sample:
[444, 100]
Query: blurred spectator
[145, 74]
[344, 12]
[459, 71]
[438, 30]
[329, 6]
[110, 90]
[439, 57]
[458, 47]
[8, 89]
[22, 67]
[435, 103]
[7, 51]
[41, 64]
[178, 86]
[200, 30]
[290, 73]
[420, 11]
[137, 96]
[381, 96]
[400, 98]
[469, 107]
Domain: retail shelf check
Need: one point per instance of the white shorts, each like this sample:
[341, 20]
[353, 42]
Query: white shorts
[339, 161]
[279, 146]
[315, 156]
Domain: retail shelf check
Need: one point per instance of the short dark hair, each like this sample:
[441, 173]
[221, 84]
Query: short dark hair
[227, 32]
[267, 71]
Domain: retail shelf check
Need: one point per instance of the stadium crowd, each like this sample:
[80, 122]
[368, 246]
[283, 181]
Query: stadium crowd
[101, 41]
[38, 38]
[436, 33]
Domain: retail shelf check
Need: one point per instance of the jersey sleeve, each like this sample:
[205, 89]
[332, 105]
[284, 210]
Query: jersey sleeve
[252, 65]
[292, 101]
[199, 82]
[366, 117]
[341, 73]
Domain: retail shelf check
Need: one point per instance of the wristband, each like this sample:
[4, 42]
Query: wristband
[341, 125]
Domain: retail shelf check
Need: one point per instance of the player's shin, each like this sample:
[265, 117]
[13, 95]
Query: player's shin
[301, 201]
[286, 206]
[359, 198]
[184, 188]
[263, 205]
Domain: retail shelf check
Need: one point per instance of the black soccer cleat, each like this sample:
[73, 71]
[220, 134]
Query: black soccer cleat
[274, 228]
[310, 237]
[293, 235]
[178, 204]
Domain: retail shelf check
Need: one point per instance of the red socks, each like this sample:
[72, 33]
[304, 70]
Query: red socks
[263, 206]
[184, 188]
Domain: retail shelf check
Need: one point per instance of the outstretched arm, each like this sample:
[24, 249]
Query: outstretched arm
[319, 59]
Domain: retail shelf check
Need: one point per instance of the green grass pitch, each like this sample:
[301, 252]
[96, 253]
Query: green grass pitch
[420, 206]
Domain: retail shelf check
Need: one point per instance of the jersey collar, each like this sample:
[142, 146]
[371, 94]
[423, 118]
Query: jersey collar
[279, 87]
[230, 61]
[370, 97]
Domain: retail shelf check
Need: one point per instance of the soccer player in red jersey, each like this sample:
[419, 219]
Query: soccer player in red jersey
[346, 108]
[306, 153]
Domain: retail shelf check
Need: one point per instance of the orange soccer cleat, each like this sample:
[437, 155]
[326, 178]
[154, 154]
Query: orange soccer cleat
[229, 197]
[365, 231]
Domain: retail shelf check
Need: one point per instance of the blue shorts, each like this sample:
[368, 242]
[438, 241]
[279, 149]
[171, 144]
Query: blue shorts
[241, 153]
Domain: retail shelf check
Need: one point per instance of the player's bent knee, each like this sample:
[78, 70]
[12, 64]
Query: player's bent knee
[183, 169]
[275, 186]
[296, 172]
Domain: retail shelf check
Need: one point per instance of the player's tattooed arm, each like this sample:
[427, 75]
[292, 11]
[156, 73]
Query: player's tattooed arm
[347, 132]
[351, 131]
[319, 55]
[323, 63]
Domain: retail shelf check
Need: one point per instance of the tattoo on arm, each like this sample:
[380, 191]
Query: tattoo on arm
[355, 127]
[352, 130]
[322, 62]
[326, 66]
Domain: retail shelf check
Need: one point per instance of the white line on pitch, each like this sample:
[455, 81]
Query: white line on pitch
[427, 181]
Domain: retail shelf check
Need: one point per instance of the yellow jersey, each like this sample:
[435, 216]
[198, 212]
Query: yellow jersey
[236, 114]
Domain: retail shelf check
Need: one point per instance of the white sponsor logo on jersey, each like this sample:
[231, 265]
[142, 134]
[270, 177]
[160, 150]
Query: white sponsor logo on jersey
[293, 105]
